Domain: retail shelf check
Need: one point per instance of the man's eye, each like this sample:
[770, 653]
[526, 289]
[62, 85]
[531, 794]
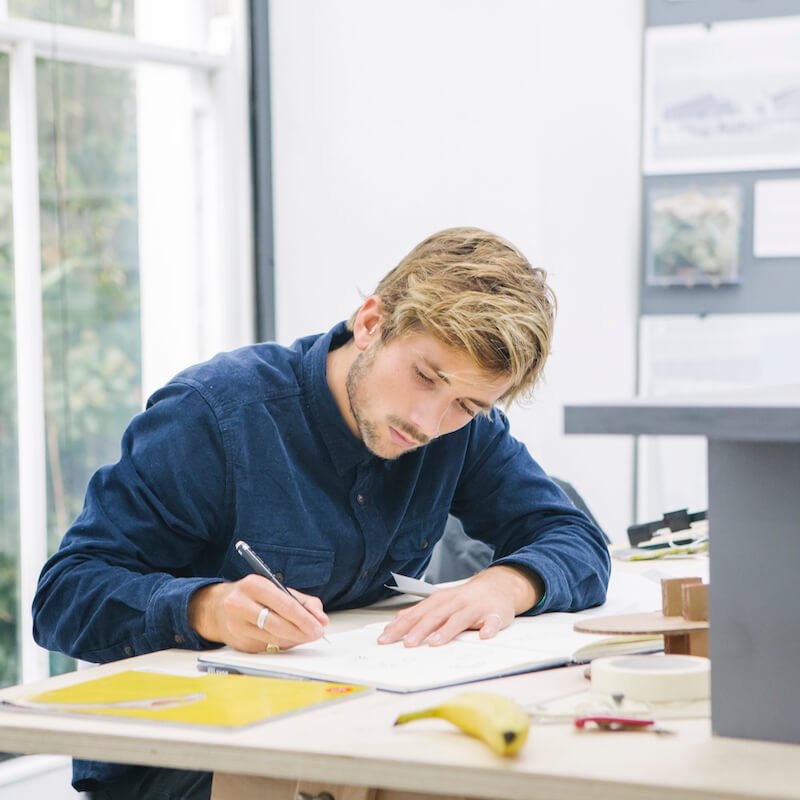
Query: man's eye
[467, 409]
[422, 376]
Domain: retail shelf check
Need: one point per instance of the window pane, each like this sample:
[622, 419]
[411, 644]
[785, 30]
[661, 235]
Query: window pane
[123, 155]
[9, 482]
[90, 275]
[115, 16]
[179, 23]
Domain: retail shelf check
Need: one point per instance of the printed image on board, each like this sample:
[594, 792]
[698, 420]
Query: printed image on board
[722, 97]
[694, 235]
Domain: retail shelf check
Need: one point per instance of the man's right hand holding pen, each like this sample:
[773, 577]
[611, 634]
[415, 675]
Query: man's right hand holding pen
[230, 613]
[257, 612]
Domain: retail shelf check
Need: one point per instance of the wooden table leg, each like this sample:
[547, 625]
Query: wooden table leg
[307, 790]
[247, 787]
[251, 787]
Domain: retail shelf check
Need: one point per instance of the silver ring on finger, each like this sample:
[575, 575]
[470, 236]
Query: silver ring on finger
[262, 617]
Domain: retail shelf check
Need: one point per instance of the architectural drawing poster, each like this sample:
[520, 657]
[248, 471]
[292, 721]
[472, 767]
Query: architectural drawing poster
[723, 97]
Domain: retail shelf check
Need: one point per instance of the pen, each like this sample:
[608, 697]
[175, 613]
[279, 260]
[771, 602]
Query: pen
[260, 568]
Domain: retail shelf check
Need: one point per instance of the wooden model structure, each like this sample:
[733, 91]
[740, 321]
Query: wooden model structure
[683, 619]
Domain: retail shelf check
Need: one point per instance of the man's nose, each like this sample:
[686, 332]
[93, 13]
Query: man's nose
[428, 418]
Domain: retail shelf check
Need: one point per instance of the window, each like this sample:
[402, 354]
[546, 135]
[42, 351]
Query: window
[124, 182]
[9, 508]
[113, 15]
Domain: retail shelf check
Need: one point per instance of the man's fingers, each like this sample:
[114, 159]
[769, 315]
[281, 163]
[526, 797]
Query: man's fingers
[245, 622]
[424, 628]
[462, 620]
[313, 605]
[414, 626]
[269, 595]
[248, 644]
[279, 631]
[266, 594]
[402, 623]
[440, 618]
[491, 626]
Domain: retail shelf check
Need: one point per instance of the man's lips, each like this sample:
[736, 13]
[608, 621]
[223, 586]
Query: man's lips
[402, 439]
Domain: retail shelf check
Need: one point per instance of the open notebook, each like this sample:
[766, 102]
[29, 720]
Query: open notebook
[531, 643]
[356, 657]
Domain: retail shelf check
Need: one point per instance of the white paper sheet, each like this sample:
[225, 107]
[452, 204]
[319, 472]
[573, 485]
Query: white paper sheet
[416, 587]
[776, 223]
[356, 657]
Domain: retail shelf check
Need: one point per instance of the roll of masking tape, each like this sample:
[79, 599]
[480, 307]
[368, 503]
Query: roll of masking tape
[653, 679]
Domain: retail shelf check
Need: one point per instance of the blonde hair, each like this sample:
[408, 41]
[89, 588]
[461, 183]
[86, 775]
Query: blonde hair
[476, 292]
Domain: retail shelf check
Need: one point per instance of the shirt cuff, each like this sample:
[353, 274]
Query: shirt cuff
[167, 615]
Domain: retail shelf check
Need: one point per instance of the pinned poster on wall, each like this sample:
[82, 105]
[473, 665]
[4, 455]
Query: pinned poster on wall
[722, 97]
[694, 234]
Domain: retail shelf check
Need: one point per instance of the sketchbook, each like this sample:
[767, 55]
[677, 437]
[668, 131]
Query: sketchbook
[215, 700]
[355, 656]
[529, 644]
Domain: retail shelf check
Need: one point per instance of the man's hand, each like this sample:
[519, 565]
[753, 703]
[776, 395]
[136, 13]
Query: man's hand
[228, 613]
[487, 602]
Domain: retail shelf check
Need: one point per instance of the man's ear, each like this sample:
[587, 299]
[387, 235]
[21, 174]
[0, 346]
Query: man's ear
[367, 324]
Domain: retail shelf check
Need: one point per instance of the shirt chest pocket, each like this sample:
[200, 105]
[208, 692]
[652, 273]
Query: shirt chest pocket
[301, 568]
[416, 539]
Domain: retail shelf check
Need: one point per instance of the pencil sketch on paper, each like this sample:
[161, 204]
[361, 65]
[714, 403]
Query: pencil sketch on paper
[723, 98]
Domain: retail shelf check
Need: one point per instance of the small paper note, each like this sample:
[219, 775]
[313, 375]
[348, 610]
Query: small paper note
[417, 587]
[776, 231]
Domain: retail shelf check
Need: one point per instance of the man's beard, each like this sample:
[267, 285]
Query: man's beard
[357, 378]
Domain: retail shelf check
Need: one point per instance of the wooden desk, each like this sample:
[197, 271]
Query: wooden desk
[355, 744]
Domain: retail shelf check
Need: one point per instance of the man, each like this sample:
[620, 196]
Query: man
[338, 460]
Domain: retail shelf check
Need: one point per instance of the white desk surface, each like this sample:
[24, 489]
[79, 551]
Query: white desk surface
[355, 743]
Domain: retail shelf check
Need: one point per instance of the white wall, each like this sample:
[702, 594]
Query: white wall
[690, 354]
[396, 118]
[29, 777]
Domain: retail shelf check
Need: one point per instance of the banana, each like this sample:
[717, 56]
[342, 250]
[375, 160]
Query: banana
[492, 718]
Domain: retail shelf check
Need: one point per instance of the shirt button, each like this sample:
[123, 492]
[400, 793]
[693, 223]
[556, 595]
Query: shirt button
[425, 544]
[128, 650]
[279, 576]
[361, 499]
[179, 638]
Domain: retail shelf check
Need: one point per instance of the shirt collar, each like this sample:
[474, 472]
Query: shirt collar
[346, 450]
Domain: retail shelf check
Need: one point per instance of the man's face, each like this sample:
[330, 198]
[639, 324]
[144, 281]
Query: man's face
[414, 389]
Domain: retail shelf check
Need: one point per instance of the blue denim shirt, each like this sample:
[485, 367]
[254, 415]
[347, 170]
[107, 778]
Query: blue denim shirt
[251, 445]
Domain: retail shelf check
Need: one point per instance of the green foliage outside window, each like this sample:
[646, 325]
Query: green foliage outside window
[9, 508]
[115, 16]
[90, 273]
[8, 620]
[90, 296]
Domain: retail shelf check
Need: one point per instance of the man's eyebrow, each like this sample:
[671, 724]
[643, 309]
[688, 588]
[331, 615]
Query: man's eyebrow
[443, 376]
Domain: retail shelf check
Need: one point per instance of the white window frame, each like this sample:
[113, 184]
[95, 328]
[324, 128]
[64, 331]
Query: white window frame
[225, 290]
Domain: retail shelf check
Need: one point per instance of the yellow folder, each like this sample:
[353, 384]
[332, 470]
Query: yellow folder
[217, 700]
